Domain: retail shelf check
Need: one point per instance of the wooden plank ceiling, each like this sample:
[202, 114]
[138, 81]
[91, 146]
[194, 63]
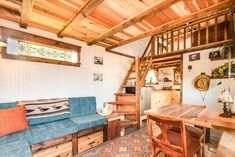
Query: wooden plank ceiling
[108, 23]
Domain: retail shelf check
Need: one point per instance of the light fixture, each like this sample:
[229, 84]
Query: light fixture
[226, 99]
[2, 43]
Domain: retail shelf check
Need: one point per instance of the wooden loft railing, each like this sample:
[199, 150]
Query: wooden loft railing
[206, 33]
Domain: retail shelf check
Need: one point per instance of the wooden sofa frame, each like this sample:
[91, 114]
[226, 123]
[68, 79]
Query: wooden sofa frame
[70, 138]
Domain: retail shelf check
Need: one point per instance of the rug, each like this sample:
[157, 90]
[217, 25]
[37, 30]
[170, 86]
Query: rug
[135, 144]
[132, 145]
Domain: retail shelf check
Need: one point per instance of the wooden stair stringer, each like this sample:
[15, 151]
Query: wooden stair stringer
[142, 80]
[121, 87]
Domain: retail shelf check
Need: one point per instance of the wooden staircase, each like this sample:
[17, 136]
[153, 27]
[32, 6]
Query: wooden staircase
[128, 105]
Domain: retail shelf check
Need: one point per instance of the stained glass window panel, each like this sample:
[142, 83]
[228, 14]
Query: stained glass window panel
[34, 50]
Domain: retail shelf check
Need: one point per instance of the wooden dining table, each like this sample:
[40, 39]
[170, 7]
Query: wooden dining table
[201, 116]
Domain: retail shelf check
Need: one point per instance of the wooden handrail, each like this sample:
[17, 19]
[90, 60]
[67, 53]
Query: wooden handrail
[146, 49]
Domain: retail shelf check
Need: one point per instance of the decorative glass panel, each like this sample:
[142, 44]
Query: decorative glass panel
[33, 50]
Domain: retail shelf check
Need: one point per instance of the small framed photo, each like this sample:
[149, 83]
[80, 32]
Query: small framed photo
[98, 60]
[194, 57]
[97, 77]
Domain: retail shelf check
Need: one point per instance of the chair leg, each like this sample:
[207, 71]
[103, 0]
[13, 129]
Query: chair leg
[204, 142]
[199, 153]
[153, 150]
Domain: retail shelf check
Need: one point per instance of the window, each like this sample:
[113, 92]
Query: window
[34, 50]
[28, 47]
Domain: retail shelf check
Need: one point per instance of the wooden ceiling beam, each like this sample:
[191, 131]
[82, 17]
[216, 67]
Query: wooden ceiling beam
[179, 22]
[26, 10]
[82, 13]
[120, 54]
[166, 60]
[148, 12]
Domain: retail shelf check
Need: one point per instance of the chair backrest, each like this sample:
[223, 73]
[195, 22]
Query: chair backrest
[163, 140]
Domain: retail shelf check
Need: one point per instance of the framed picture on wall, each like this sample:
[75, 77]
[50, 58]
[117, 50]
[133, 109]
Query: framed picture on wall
[194, 57]
[97, 77]
[98, 60]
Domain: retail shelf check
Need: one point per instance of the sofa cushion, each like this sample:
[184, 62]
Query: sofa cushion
[47, 131]
[7, 105]
[89, 121]
[46, 110]
[13, 120]
[19, 148]
[81, 106]
[22, 135]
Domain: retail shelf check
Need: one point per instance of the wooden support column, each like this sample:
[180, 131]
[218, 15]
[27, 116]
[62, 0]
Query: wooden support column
[191, 36]
[178, 39]
[172, 41]
[137, 90]
[158, 45]
[199, 35]
[225, 27]
[216, 29]
[162, 43]
[181, 78]
[207, 32]
[166, 42]
[184, 38]
[153, 46]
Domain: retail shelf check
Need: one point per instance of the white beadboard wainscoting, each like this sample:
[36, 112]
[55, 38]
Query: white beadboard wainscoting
[23, 80]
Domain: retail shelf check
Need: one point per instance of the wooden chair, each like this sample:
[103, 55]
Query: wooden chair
[172, 143]
[195, 132]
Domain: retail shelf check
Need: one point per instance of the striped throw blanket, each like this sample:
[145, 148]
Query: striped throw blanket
[45, 107]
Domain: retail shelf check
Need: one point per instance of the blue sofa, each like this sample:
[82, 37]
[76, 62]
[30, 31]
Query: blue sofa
[82, 116]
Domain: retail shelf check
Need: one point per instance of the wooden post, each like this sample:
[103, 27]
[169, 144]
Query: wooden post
[185, 38]
[199, 35]
[153, 46]
[172, 41]
[181, 78]
[166, 42]
[105, 133]
[178, 44]
[207, 33]
[191, 36]
[162, 42]
[225, 27]
[75, 143]
[137, 90]
[216, 29]
[158, 45]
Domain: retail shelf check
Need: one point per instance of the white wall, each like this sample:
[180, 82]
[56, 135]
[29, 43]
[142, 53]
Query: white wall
[190, 94]
[135, 48]
[22, 80]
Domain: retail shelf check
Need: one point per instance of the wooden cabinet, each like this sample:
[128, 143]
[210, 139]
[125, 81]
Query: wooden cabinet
[90, 141]
[71, 145]
[61, 150]
[114, 128]
[164, 97]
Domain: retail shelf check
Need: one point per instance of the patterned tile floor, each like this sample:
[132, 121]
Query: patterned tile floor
[133, 145]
